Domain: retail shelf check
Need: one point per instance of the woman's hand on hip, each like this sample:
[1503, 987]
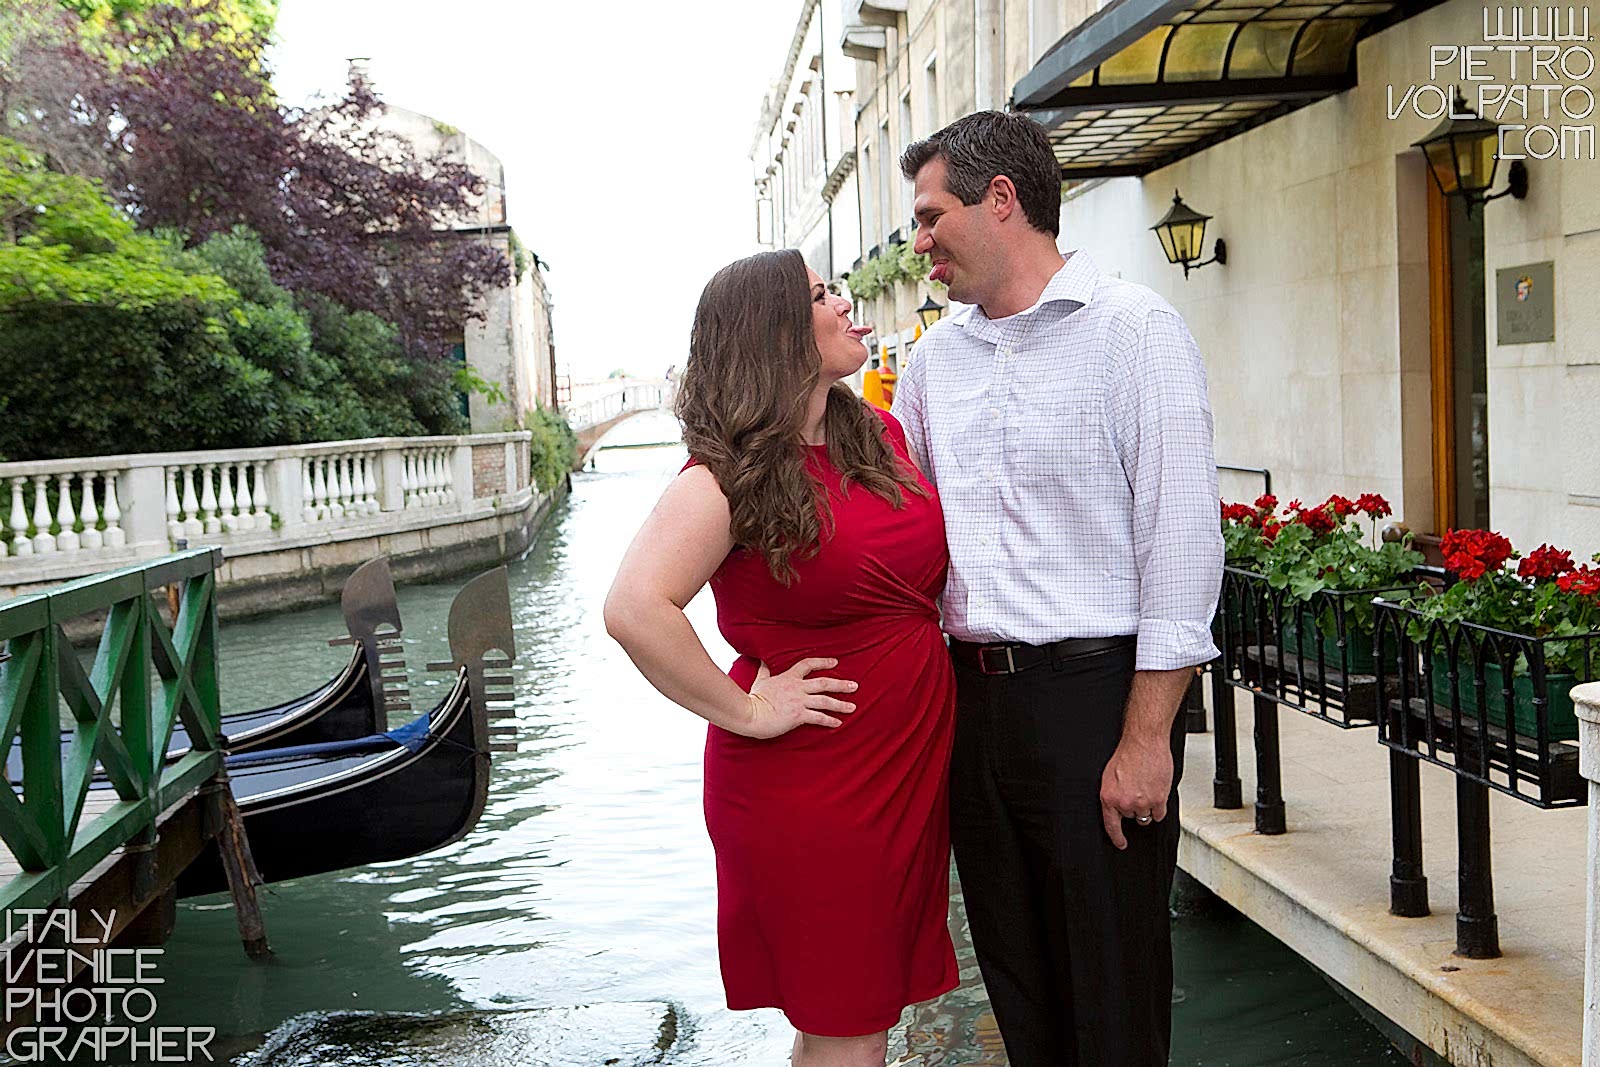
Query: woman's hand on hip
[781, 702]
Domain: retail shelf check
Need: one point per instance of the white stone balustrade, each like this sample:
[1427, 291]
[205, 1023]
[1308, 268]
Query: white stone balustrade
[85, 516]
[228, 497]
[429, 479]
[339, 486]
[108, 510]
[607, 401]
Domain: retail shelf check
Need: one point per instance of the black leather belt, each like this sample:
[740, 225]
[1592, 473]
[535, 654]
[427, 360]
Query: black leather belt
[1011, 657]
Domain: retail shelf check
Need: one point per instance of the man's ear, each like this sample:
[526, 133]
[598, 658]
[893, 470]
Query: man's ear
[1005, 197]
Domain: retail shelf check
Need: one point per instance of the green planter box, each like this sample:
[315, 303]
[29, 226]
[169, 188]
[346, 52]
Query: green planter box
[1358, 647]
[1563, 720]
[1236, 621]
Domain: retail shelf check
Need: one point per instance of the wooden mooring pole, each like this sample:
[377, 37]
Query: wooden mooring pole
[233, 846]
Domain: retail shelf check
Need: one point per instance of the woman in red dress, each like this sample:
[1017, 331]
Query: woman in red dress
[829, 739]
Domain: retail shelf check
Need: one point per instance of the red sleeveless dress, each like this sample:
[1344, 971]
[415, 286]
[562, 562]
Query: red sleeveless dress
[833, 846]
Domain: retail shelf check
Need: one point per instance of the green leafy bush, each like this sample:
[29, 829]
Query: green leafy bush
[897, 263]
[62, 243]
[113, 341]
[553, 451]
[866, 281]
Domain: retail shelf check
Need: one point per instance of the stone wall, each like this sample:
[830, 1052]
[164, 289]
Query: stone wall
[489, 471]
[313, 574]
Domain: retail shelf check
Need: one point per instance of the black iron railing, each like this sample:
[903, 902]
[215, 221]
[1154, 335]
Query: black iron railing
[1315, 656]
[1266, 475]
[1492, 707]
[1194, 701]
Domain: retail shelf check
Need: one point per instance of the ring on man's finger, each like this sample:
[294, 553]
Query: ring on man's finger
[1144, 820]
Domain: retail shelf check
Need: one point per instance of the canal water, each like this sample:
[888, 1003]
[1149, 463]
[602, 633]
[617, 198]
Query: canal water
[575, 926]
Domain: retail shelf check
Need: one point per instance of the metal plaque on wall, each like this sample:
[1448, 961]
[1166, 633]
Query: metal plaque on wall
[1525, 303]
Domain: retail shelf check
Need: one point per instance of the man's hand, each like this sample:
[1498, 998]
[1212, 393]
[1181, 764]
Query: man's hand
[1138, 780]
[1135, 785]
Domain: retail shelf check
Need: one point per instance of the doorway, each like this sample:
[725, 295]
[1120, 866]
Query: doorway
[1459, 365]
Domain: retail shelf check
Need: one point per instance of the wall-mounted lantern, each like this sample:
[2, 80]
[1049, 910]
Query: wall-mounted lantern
[1182, 232]
[1461, 154]
[930, 312]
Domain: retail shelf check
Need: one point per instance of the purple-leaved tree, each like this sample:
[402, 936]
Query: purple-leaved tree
[199, 142]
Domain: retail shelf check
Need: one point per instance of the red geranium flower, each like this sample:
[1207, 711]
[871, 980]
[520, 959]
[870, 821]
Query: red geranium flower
[1374, 505]
[1269, 530]
[1473, 553]
[1266, 502]
[1545, 562]
[1584, 580]
[1238, 513]
[1340, 505]
[1320, 520]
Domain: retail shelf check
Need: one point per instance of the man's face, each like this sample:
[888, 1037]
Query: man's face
[951, 232]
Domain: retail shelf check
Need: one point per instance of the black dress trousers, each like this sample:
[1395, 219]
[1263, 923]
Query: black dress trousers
[1073, 935]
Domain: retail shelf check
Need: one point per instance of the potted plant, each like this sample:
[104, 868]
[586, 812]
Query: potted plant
[1247, 533]
[1535, 620]
[1323, 551]
[1325, 566]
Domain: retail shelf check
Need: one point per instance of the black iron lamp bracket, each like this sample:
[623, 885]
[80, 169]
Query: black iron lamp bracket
[1219, 255]
[1516, 185]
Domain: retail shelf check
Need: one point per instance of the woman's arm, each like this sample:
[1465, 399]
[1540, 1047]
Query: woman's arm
[672, 557]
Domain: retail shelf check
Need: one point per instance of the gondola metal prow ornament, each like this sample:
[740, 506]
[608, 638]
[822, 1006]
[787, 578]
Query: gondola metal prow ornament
[372, 616]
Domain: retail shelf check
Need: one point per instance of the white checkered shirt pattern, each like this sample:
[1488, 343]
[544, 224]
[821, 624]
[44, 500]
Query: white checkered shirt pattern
[1071, 446]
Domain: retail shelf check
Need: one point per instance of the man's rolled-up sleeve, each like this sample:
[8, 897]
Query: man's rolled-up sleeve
[1162, 424]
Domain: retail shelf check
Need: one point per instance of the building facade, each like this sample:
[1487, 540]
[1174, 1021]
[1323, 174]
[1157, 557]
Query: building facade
[1365, 332]
[804, 156]
[511, 343]
[919, 66]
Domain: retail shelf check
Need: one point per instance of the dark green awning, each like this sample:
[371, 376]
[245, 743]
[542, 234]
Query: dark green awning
[1143, 83]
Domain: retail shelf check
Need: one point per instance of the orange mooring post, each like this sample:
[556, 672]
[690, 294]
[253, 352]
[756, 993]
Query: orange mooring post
[887, 378]
[872, 390]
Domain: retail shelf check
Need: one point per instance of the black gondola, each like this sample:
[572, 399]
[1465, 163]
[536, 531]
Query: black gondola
[330, 806]
[355, 703]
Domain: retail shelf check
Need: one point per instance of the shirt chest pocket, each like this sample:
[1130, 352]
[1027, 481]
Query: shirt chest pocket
[1066, 445]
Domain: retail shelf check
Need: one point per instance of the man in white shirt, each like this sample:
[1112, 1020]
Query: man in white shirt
[1063, 418]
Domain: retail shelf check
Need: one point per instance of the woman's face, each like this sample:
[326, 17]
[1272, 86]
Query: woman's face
[838, 339]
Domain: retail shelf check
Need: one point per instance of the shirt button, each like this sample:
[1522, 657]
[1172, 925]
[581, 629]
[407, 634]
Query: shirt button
[994, 413]
[983, 540]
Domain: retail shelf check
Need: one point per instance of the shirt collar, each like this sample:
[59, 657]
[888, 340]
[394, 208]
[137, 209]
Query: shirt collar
[1074, 283]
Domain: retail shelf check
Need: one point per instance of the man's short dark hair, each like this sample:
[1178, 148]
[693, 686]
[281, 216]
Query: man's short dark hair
[978, 147]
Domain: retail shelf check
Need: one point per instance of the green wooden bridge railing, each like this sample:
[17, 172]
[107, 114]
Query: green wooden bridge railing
[119, 713]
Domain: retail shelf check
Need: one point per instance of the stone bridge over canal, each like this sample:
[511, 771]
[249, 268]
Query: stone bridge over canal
[596, 410]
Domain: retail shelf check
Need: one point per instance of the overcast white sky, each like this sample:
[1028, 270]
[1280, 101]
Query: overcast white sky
[624, 126]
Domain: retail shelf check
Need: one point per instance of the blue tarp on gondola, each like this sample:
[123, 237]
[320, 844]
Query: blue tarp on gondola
[411, 737]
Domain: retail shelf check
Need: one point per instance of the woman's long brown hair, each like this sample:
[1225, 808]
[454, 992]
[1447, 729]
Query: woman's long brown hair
[753, 363]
